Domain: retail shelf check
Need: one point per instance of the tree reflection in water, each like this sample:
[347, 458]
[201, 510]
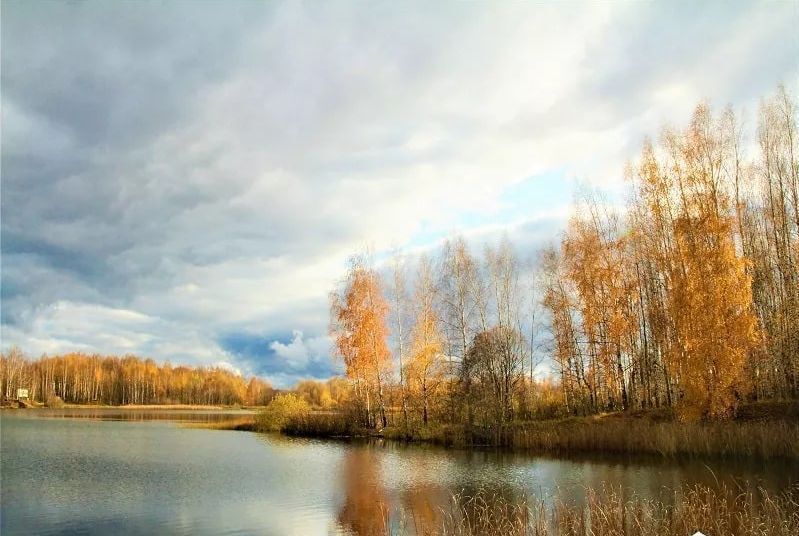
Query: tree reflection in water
[365, 510]
[371, 507]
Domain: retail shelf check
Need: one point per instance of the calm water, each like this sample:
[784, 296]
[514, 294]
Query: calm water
[122, 472]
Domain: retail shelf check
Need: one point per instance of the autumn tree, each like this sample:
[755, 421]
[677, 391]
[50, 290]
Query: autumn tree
[359, 329]
[596, 259]
[771, 233]
[714, 323]
[704, 311]
[687, 298]
[94, 379]
[559, 301]
[426, 367]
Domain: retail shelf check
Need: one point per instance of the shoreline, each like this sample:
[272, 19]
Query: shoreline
[762, 432]
[133, 407]
[755, 437]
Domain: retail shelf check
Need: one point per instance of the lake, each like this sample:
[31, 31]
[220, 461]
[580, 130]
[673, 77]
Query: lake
[145, 472]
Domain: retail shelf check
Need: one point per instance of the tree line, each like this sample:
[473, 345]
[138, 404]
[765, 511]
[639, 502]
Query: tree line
[93, 379]
[685, 298]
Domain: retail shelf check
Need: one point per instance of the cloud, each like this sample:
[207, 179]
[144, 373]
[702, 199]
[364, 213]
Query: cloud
[212, 168]
[68, 326]
[283, 359]
[298, 353]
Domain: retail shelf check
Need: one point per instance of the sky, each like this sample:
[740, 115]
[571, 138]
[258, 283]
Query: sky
[186, 180]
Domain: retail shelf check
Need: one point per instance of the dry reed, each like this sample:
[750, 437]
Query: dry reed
[721, 512]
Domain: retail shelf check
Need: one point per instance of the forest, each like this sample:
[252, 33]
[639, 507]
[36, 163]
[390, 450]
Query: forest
[685, 299]
[92, 379]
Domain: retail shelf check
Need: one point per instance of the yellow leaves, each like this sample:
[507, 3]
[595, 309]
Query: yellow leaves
[424, 370]
[711, 304]
[324, 395]
[359, 330]
[668, 299]
[426, 349]
[281, 410]
[596, 259]
[82, 378]
[360, 327]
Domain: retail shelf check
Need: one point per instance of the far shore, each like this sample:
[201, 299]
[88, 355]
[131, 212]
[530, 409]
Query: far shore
[31, 405]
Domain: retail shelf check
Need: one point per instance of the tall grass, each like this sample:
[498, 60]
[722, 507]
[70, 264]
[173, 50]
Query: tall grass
[243, 424]
[754, 440]
[323, 425]
[668, 439]
[722, 512]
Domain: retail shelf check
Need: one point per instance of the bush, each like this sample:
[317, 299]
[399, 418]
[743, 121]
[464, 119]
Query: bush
[279, 411]
[54, 401]
[323, 425]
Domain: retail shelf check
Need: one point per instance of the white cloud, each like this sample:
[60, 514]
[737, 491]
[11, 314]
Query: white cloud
[230, 367]
[67, 326]
[187, 173]
[299, 352]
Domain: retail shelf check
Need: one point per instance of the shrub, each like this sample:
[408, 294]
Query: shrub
[322, 425]
[279, 411]
[54, 401]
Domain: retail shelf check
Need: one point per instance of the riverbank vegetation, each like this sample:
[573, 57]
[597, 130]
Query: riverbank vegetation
[610, 512]
[242, 424]
[282, 409]
[686, 301]
[116, 381]
[768, 437]
[625, 435]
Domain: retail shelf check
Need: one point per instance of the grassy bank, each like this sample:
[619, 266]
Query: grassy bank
[761, 432]
[762, 435]
[624, 436]
[38, 405]
[608, 512]
[161, 406]
[245, 424]
[322, 425]
[671, 439]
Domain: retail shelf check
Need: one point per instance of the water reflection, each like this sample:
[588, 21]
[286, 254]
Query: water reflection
[99, 475]
[398, 489]
[366, 505]
[423, 508]
[377, 503]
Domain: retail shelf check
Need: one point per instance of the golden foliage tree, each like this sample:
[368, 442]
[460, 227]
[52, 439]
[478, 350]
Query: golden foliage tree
[425, 369]
[93, 379]
[715, 327]
[359, 330]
